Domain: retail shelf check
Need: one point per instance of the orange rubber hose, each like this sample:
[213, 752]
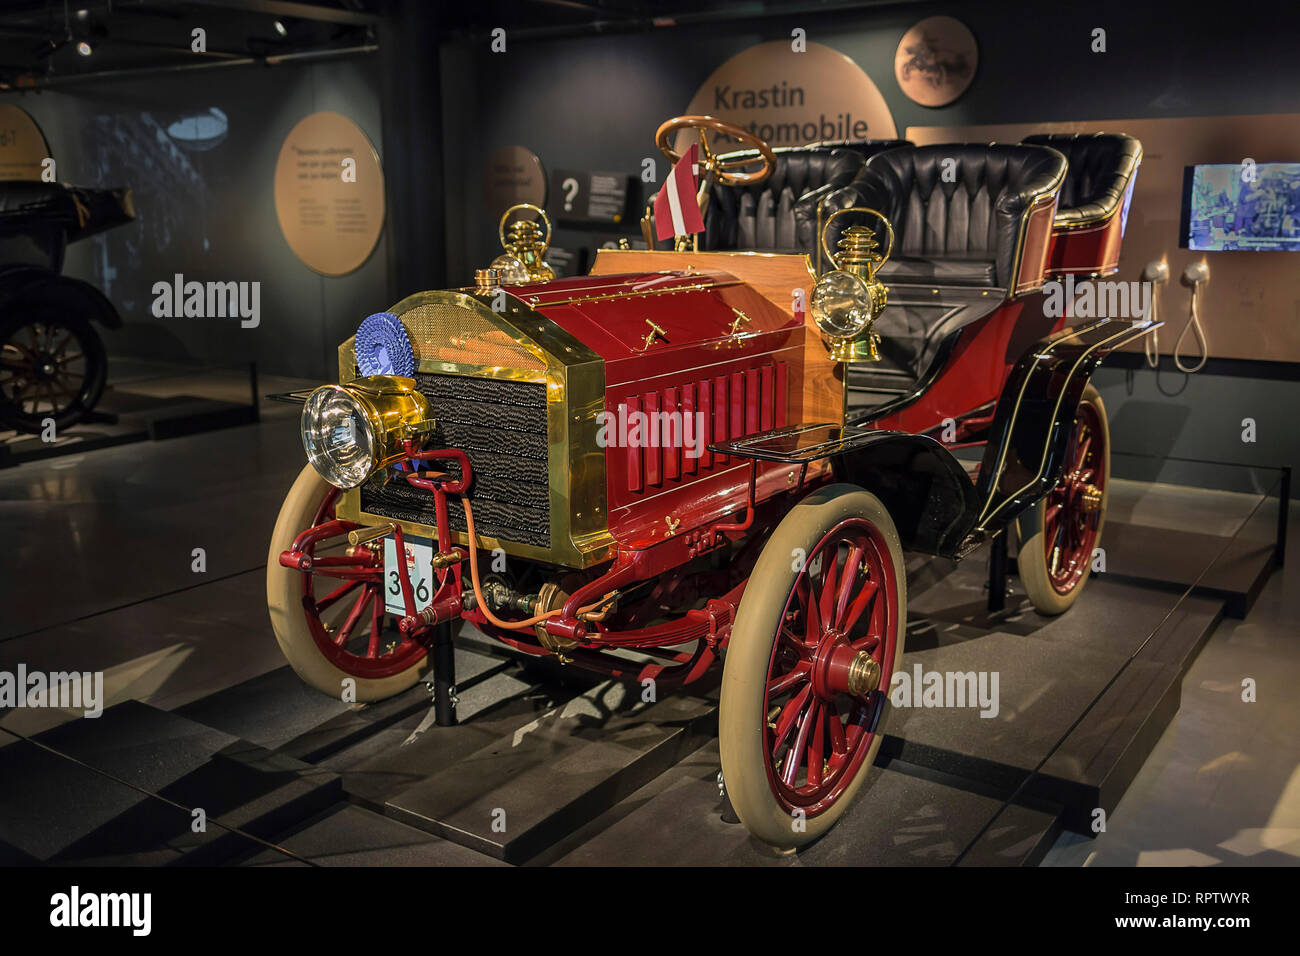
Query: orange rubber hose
[478, 590]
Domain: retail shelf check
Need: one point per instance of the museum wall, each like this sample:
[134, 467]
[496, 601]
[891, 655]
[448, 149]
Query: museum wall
[594, 102]
[210, 214]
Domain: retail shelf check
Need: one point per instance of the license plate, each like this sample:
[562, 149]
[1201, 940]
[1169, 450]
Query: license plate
[419, 570]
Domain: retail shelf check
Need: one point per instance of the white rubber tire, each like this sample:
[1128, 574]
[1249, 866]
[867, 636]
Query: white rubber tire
[284, 602]
[741, 719]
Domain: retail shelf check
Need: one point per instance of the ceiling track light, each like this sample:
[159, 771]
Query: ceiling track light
[84, 49]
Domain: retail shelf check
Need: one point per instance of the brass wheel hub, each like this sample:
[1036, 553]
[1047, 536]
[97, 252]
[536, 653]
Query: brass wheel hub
[839, 669]
[864, 674]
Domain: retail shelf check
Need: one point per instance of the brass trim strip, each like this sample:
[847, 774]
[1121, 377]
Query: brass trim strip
[537, 303]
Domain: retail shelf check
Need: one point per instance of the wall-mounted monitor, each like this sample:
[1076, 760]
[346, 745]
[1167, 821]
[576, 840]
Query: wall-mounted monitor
[1234, 206]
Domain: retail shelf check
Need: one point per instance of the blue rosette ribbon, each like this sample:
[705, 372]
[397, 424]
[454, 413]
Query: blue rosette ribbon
[383, 347]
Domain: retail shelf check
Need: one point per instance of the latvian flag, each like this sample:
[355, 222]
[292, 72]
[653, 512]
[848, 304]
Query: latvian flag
[677, 211]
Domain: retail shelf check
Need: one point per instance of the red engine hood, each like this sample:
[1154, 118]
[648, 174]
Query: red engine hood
[698, 311]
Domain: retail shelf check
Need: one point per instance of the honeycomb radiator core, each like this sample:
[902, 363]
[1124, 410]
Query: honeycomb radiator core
[501, 426]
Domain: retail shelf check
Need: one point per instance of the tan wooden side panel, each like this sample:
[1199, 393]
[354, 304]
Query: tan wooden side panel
[775, 276]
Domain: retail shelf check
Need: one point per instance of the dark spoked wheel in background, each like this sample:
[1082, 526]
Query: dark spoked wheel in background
[817, 637]
[51, 367]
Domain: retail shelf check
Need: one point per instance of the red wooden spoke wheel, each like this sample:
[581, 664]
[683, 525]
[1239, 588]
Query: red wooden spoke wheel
[329, 619]
[1074, 505]
[1060, 535]
[816, 640]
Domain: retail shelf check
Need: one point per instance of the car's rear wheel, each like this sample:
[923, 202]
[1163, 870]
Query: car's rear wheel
[816, 640]
[331, 629]
[1059, 535]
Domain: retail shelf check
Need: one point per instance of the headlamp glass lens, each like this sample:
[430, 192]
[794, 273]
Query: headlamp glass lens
[337, 437]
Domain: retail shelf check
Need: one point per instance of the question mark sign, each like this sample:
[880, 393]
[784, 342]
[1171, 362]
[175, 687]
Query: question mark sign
[570, 187]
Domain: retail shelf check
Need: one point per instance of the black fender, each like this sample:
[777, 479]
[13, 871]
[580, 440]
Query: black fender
[31, 283]
[1035, 414]
[924, 487]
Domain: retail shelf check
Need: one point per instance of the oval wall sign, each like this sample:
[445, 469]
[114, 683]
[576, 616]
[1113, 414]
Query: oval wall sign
[793, 99]
[513, 174]
[22, 144]
[329, 193]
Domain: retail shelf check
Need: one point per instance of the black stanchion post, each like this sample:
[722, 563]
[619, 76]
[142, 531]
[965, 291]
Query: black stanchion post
[1283, 515]
[998, 573]
[444, 676]
[252, 387]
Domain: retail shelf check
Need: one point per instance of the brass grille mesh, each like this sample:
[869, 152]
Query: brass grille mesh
[441, 332]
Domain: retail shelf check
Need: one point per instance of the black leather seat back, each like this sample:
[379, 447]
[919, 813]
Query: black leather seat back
[767, 216]
[1101, 165]
[955, 208]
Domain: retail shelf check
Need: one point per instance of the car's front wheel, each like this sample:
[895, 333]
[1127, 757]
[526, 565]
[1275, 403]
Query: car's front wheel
[334, 630]
[816, 640]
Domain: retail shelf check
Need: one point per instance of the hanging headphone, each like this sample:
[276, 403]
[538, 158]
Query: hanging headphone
[1195, 275]
[1157, 273]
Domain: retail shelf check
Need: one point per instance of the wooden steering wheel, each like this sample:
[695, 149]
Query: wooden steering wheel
[723, 172]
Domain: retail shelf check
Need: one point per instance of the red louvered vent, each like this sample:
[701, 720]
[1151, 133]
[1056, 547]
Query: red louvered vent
[662, 441]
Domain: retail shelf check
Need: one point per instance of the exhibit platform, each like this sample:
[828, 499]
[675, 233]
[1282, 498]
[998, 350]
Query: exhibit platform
[549, 765]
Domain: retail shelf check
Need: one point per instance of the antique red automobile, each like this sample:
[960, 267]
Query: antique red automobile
[692, 456]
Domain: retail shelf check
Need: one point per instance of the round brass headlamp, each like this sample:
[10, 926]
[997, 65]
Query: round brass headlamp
[348, 431]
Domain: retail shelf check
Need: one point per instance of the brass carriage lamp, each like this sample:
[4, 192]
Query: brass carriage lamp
[847, 300]
[524, 259]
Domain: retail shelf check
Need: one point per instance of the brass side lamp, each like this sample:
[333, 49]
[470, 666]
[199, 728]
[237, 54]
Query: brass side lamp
[847, 300]
[524, 259]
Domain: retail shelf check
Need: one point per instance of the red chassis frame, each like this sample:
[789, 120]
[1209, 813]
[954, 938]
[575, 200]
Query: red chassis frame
[710, 625]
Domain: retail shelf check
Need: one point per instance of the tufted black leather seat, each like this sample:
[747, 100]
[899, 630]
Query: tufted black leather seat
[779, 214]
[1101, 165]
[964, 232]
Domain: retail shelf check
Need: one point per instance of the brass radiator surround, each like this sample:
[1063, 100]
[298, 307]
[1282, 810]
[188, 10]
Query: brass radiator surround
[575, 394]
